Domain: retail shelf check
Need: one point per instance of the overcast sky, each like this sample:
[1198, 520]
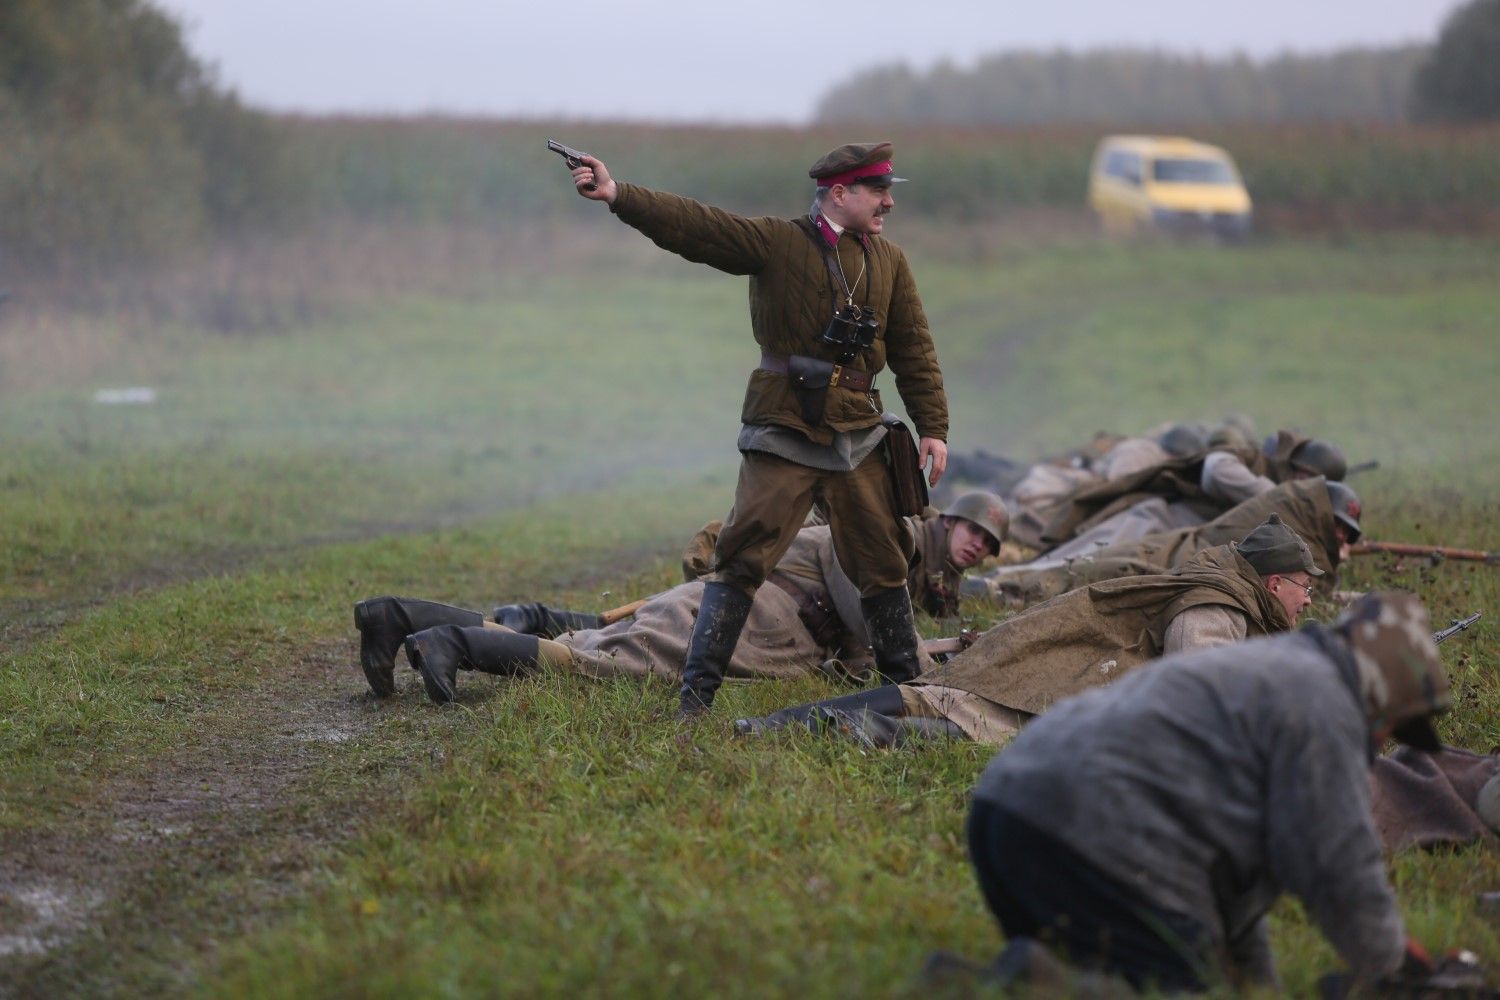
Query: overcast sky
[706, 60]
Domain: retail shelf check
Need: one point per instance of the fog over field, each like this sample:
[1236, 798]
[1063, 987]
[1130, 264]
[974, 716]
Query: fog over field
[274, 341]
[670, 60]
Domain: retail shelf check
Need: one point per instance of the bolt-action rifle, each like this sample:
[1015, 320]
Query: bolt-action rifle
[1436, 553]
[1459, 624]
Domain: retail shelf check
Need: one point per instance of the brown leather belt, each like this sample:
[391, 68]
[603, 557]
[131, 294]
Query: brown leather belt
[814, 608]
[840, 375]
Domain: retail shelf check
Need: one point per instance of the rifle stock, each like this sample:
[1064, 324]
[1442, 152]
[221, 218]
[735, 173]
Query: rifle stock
[1433, 552]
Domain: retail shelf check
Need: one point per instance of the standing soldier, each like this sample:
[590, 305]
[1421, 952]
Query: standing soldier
[831, 302]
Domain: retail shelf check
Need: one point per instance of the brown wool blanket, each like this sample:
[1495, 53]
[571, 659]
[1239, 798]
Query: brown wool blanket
[1427, 799]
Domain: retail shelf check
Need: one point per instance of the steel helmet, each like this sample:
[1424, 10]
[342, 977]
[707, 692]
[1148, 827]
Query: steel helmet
[984, 509]
[1346, 507]
[1321, 458]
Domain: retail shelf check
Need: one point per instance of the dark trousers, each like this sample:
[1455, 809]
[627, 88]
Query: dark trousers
[771, 500]
[1040, 888]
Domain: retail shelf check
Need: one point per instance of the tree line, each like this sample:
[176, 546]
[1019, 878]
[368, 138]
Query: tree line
[1457, 78]
[116, 143]
[1135, 88]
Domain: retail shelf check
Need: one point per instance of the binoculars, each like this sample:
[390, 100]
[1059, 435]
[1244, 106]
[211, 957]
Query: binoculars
[851, 331]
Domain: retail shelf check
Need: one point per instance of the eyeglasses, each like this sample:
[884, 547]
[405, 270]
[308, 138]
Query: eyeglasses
[1307, 588]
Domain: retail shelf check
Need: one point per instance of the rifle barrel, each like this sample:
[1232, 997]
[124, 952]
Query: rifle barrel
[1459, 624]
[1429, 551]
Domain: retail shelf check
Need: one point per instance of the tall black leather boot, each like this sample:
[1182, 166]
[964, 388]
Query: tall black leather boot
[885, 700]
[538, 619]
[384, 622]
[893, 634]
[721, 617]
[440, 653]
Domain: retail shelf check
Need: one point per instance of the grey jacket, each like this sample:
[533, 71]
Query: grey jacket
[1213, 781]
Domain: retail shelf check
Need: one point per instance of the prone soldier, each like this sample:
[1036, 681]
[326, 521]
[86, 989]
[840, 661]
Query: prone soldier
[810, 614]
[1324, 514]
[1084, 638]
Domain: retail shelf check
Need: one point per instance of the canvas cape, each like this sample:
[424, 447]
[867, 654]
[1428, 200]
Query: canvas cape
[1302, 503]
[1097, 633]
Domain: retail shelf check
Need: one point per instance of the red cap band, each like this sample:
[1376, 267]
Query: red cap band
[857, 174]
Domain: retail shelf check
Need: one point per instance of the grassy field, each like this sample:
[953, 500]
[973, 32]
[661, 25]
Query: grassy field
[201, 798]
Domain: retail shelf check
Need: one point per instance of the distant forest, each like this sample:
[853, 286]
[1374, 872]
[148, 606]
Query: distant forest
[1135, 87]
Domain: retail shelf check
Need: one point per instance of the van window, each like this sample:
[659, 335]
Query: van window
[1124, 165]
[1179, 170]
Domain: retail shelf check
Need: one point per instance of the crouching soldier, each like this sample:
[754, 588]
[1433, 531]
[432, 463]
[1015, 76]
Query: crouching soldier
[809, 614]
[1084, 638]
[1146, 830]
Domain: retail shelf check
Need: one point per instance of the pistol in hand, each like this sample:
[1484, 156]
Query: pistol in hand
[573, 157]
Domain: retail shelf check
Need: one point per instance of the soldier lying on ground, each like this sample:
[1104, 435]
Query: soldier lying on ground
[1184, 492]
[1146, 830]
[1325, 514]
[1084, 638]
[1047, 486]
[810, 614]
[1035, 491]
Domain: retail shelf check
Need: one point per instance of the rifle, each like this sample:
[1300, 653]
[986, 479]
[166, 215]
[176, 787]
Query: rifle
[1457, 626]
[1369, 465]
[571, 156]
[1436, 553]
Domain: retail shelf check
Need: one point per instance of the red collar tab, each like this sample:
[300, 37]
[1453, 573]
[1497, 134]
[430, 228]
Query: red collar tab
[848, 177]
[831, 235]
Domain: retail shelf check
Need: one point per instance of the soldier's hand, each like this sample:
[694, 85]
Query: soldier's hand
[594, 171]
[936, 450]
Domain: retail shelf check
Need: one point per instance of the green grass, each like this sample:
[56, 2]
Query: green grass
[565, 436]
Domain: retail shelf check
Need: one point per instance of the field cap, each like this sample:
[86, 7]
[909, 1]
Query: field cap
[1275, 548]
[1401, 676]
[854, 162]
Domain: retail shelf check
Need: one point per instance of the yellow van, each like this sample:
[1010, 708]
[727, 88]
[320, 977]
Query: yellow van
[1169, 184]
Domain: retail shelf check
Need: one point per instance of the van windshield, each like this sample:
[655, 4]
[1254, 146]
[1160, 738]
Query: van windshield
[1185, 171]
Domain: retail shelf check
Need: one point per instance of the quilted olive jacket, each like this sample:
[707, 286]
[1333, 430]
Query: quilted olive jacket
[792, 298]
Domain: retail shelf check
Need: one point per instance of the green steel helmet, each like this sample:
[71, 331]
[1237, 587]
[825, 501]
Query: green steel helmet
[1230, 438]
[1321, 458]
[984, 509]
[1184, 439]
[1346, 507]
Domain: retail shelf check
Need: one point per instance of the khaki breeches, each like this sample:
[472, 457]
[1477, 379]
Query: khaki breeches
[982, 720]
[772, 499]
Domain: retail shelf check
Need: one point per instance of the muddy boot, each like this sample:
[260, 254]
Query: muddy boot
[538, 619]
[721, 616]
[440, 653]
[384, 622]
[884, 700]
[893, 634]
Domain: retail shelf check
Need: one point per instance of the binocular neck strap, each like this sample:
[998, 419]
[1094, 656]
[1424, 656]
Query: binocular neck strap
[835, 267]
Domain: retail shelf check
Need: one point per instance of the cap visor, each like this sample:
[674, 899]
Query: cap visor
[1420, 734]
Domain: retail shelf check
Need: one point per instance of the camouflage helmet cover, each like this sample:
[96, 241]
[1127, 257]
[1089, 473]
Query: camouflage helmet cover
[1346, 508]
[986, 510]
[1401, 678]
